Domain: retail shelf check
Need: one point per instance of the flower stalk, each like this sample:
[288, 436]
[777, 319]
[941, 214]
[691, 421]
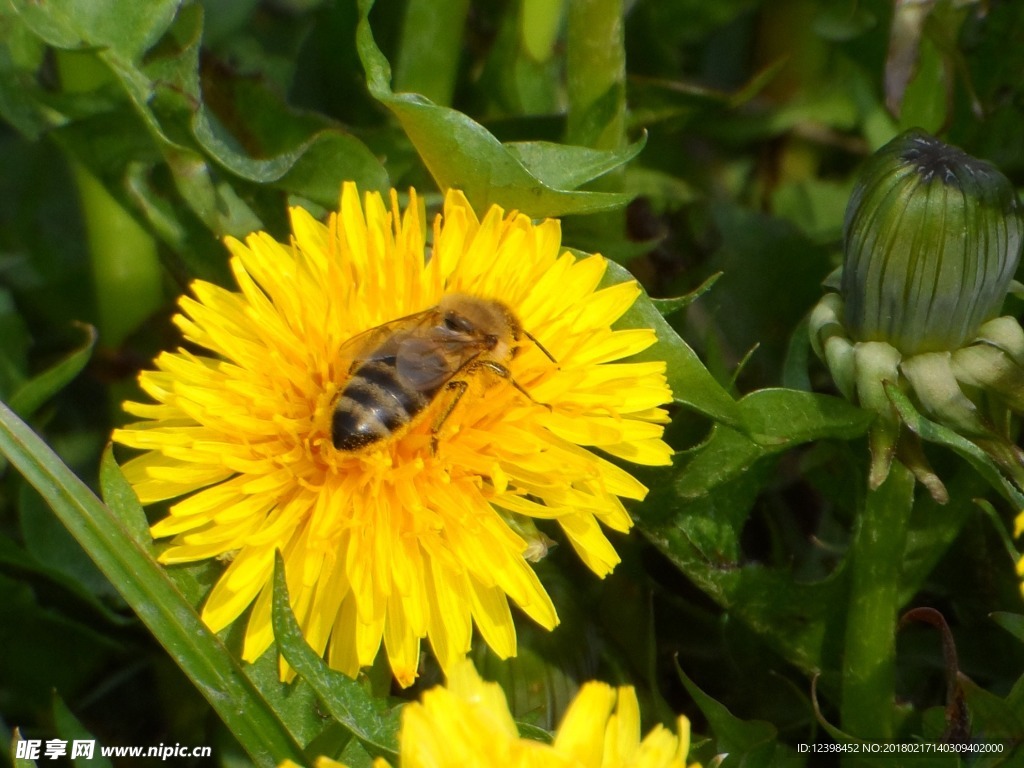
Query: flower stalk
[876, 559]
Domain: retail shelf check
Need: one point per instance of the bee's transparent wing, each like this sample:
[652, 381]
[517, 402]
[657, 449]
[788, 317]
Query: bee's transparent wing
[382, 341]
[421, 362]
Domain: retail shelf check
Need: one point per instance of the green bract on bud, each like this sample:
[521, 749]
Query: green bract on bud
[932, 238]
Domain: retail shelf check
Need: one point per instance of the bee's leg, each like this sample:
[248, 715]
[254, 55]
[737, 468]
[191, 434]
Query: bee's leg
[459, 387]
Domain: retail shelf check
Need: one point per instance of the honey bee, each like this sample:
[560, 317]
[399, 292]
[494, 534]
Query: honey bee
[398, 369]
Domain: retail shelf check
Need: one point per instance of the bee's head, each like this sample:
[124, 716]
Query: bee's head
[486, 322]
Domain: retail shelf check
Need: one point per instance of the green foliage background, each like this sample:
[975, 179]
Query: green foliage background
[684, 139]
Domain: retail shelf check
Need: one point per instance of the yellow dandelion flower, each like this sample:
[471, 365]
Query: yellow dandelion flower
[468, 724]
[406, 534]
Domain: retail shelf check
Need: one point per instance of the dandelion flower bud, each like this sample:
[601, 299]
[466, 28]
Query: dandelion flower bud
[932, 239]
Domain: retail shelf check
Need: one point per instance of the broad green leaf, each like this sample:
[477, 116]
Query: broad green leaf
[127, 279]
[460, 153]
[776, 420]
[785, 417]
[155, 600]
[263, 141]
[254, 134]
[196, 253]
[369, 719]
[771, 277]
[314, 168]
[129, 29]
[565, 166]
[355, 755]
[802, 620]
[721, 458]
[40, 388]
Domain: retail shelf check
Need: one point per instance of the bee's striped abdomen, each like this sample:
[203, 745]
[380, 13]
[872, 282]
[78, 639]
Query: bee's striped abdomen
[373, 405]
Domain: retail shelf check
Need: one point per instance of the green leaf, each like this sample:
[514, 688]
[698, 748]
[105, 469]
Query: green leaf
[41, 627]
[19, 762]
[21, 53]
[14, 559]
[540, 22]
[254, 134]
[670, 306]
[314, 168]
[40, 388]
[460, 153]
[355, 755]
[71, 729]
[49, 542]
[566, 166]
[752, 743]
[369, 719]
[786, 417]
[295, 703]
[802, 620]
[13, 352]
[120, 497]
[148, 591]
[127, 29]
[936, 433]
[775, 420]
[798, 354]
[692, 384]
[1011, 622]
[992, 719]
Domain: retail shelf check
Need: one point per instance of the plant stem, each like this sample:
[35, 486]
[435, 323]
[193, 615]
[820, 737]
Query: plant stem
[875, 569]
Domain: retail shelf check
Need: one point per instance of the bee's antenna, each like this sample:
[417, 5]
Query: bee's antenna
[540, 346]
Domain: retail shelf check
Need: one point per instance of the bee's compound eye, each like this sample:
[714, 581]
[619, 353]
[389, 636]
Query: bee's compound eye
[456, 323]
